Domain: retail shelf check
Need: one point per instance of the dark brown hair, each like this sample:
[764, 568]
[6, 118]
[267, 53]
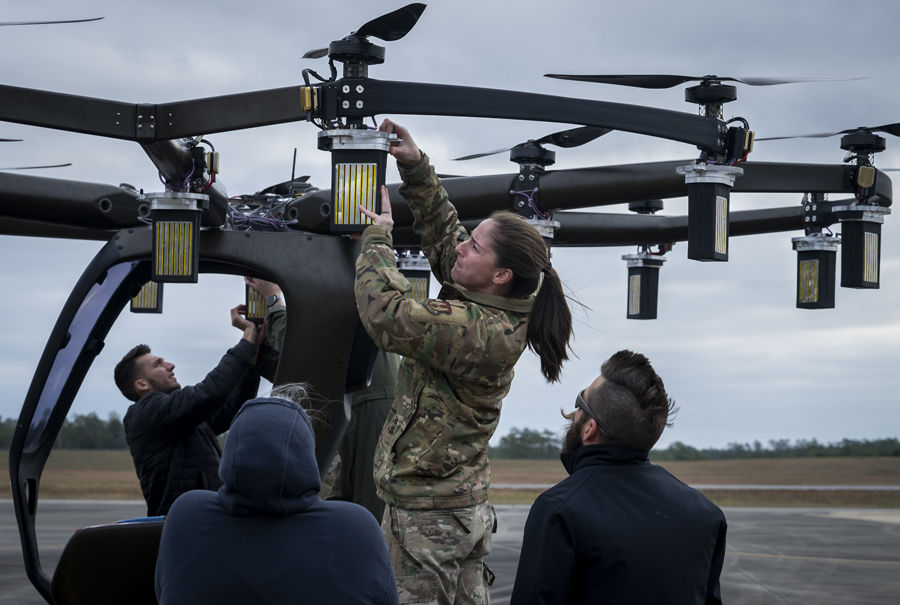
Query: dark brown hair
[520, 248]
[632, 401]
[127, 371]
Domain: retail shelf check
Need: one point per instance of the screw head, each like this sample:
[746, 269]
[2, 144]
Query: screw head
[521, 177]
[807, 219]
[359, 104]
[530, 177]
[359, 88]
[345, 88]
[521, 203]
[346, 104]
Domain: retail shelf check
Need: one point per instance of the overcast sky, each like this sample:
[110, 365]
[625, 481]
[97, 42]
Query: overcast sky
[741, 361]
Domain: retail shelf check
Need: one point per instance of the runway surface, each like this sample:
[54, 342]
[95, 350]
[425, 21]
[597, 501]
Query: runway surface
[774, 555]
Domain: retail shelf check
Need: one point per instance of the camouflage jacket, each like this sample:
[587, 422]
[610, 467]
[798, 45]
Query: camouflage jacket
[459, 351]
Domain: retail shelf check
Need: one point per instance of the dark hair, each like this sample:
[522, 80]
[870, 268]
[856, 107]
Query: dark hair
[126, 372]
[632, 401]
[520, 248]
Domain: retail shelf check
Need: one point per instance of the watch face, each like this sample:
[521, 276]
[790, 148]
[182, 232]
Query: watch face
[272, 300]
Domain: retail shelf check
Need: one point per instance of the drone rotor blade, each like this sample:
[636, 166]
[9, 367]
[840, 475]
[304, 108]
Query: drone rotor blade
[820, 135]
[574, 137]
[636, 80]
[317, 53]
[10, 140]
[776, 81]
[49, 22]
[393, 25]
[893, 129]
[37, 167]
[481, 155]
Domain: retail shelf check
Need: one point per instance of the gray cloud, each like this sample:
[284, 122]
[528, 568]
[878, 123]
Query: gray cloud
[742, 362]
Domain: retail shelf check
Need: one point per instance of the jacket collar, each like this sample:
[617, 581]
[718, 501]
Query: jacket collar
[590, 455]
[518, 305]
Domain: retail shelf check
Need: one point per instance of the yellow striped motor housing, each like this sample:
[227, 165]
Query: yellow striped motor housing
[358, 162]
[256, 305]
[149, 299]
[861, 244]
[816, 270]
[176, 245]
[643, 284]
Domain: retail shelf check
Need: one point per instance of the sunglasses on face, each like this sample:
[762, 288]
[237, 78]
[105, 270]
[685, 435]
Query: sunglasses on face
[581, 404]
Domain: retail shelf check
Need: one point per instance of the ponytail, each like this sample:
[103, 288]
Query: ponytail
[520, 248]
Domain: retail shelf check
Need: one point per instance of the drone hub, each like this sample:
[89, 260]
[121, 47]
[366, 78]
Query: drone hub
[713, 92]
[861, 240]
[709, 191]
[643, 284]
[357, 54]
[532, 154]
[863, 142]
[358, 163]
[816, 267]
[646, 207]
[175, 221]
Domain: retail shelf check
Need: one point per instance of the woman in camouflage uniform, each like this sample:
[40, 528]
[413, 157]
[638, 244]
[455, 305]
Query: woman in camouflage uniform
[431, 466]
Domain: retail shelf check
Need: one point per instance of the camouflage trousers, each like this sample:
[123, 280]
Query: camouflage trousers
[438, 555]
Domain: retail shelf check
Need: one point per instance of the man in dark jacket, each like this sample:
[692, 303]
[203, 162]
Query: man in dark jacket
[265, 537]
[171, 431]
[619, 529]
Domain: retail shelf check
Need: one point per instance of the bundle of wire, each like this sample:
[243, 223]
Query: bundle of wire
[258, 219]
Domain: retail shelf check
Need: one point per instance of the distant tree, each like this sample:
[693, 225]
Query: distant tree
[678, 451]
[781, 448]
[528, 444]
[7, 428]
[89, 432]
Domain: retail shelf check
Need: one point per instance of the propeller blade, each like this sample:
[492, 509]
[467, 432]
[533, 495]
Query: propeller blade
[393, 25]
[573, 137]
[820, 135]
[639, 81]
[10, 140]
[480, 155]
[48, 22]
[36, 167]
[565, 139]
[669, 81]
[776, 81]
[441, 175]
[893, 129]
[316, 53]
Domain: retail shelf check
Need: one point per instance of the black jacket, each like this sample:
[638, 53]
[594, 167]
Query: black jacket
[620, 530]
[172, 437]
[265, 537]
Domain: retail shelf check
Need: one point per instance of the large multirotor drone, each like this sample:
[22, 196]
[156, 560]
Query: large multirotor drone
[290, 232]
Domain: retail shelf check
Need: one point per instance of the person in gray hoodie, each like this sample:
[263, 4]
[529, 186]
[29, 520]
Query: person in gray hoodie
[265, 537]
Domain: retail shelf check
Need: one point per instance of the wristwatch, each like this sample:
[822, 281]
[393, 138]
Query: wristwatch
[272, 300]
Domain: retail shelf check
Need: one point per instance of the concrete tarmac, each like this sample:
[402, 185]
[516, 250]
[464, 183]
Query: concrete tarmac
[774, 555]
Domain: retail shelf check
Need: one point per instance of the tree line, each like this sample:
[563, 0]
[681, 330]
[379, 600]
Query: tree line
[82, 432]
[528, 444]
[90, 432]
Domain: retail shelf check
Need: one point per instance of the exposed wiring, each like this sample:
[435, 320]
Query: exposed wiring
[529, 195]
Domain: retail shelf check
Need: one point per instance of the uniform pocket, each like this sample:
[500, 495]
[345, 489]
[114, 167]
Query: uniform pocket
[419, 588]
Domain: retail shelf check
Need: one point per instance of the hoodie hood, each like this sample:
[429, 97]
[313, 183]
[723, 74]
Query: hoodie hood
[269, 463]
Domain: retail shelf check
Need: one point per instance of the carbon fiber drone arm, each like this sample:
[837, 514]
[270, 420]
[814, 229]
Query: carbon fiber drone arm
[146, 123]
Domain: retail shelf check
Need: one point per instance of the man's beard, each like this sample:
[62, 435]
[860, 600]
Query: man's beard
[163, 387]
[572, 441]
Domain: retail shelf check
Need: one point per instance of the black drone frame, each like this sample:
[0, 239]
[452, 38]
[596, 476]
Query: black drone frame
[323, 341]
